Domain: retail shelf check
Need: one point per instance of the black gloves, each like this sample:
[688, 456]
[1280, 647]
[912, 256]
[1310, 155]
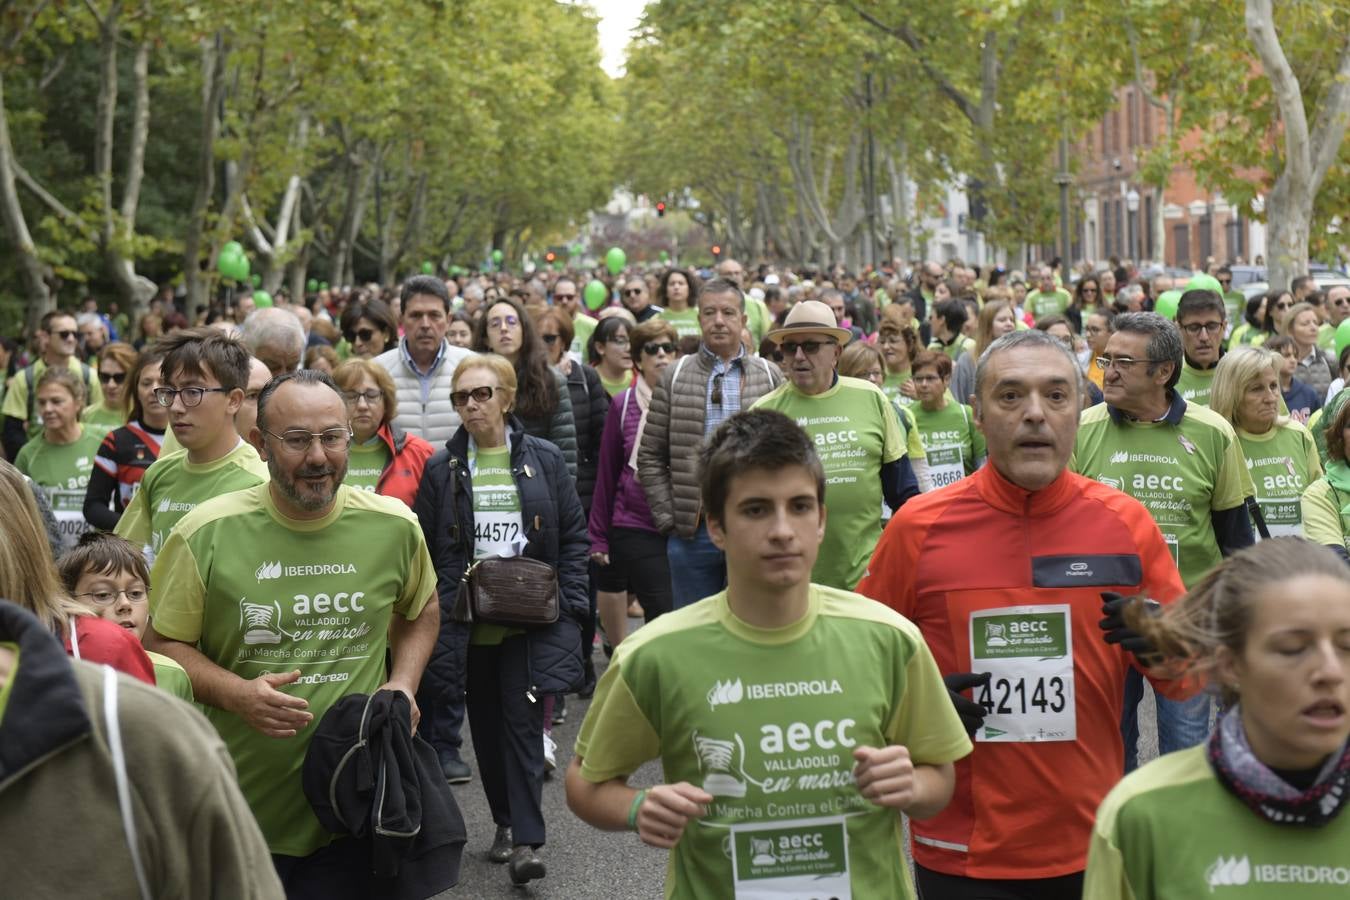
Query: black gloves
[972, 714]
[1117, 632]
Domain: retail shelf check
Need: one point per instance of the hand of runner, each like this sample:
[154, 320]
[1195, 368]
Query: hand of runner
[1117, 632]
[268, 710]
[885, 775]
[665, 811]
[909, 390]
[972, 714]
[412, 701]
[601, 558]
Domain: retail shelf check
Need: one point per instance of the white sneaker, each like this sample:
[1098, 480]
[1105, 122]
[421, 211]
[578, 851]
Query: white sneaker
[550, 748]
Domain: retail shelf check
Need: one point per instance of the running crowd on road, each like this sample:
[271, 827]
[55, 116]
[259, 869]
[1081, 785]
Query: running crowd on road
[920, 555]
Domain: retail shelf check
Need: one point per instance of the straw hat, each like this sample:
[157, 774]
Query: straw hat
[810, 317]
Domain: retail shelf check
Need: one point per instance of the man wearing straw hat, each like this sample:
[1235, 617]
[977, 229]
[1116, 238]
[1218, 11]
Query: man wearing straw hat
[857, 436]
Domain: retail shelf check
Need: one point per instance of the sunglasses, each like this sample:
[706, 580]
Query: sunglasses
[632, 292]
[811, 348]
[66, 335]
[717, 390]
[479, 395]
[112, 377]
[652, 349]
[564, 298]
[360, 334]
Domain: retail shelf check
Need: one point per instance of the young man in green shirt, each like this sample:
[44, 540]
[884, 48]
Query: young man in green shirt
[204, 374]
[1202, 320]
[794, 722]
[857, 438]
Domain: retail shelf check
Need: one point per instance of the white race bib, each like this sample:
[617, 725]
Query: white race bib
[799, 859]
[1028, 651]
[1283, 516]
[946, 465]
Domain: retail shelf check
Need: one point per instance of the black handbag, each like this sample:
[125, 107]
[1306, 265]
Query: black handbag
[518, 591]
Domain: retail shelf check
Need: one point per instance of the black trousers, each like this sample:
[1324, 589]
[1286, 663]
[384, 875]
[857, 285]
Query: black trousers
[336, 872]
[939, 886]
[508, 736]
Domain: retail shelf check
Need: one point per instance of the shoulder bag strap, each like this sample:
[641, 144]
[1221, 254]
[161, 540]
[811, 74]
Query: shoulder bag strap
[114, 727]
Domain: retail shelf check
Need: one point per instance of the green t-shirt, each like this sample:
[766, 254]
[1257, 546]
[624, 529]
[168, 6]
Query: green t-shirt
[758, 319]
[1041, 304]
[685, 321]
[1181, 473]
[766, 721]
[62, 471]
[365, 464]
[258, 592]
[891, 385]
[172, 487]
[1282, 463]
[15, 403]
[1326, 337]
[100, 420]
[954, 445]
[1171, 831]
[1235, 304]
[170, 677]
[615, 388]
[497, 526]
[8, 684]
[855, 431]
[1195, 385]
[583, 326]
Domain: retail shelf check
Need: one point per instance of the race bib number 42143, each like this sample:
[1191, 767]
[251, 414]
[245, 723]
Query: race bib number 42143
[1028, 651]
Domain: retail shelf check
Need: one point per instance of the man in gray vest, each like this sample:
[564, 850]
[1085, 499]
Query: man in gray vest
[424, 362]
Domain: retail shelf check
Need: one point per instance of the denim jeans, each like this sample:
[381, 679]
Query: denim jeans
[697, 568]
[1181, 723]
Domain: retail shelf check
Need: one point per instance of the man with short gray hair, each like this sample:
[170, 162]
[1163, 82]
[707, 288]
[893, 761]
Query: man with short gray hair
[1179, 459]
[276, 337]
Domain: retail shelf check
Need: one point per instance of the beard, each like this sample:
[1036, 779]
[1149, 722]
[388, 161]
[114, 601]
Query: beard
[303, 495]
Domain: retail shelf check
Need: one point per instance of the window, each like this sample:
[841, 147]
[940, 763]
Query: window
[1132, 117]
[1181, 244]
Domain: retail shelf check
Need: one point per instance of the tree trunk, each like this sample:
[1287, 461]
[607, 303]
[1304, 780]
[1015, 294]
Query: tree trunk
[214, 55]
[120, 224]
[16, 225]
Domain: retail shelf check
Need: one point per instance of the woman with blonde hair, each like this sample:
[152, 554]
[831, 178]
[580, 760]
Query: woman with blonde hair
[995, 320]
[115, 364]
[29, 578]
[1281, 454]
[1261, 804]
[383, 458]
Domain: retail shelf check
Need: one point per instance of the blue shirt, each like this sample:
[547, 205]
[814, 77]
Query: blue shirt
[726, 374]
[426, 379]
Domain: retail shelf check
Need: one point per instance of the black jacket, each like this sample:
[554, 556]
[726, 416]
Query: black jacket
[590, 403]
[556, 529]
[366, 774]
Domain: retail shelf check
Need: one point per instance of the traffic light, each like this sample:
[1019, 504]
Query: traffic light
[660, 208]
[549, 257]
[717, 251]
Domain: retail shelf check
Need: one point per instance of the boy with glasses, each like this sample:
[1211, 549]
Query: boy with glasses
[204, 374]
[58, 335]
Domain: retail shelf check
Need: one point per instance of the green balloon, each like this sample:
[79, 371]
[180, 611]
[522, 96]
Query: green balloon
[1203, 282]
[232, 248]
[1342, 336]
[497, 257]
[428, 268]
[257, 280]
[615, 260]
[262, 299]
[234, 266]
[323, 285]
[665, 257]
[456, 270]
[1167, 304]
[597, 295]
[312, 285]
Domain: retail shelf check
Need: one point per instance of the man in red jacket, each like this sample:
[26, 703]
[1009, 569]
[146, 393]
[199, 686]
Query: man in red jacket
[1004, 574]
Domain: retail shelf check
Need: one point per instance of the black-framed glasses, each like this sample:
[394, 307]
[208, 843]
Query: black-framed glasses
[191, 396]
[360, 334]
[112, 377]
[298, 440]
[550, 339]
[1123, 363]
[478, 394]
[105, 597]
[371, 396]
[717, 390]
[1194, 328]
[651, 349]
[811, 348]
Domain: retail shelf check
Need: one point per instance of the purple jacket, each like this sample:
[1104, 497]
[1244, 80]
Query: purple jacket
[619, 500]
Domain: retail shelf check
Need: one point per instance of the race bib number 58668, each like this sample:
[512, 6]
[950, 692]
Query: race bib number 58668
[1028, 651]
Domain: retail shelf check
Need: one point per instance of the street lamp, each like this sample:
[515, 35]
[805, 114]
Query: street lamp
[1132, 204]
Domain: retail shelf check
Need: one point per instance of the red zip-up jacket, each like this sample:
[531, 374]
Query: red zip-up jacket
[1024, 809]
[408, 455]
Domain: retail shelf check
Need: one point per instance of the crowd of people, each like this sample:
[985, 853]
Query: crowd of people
[909, 544]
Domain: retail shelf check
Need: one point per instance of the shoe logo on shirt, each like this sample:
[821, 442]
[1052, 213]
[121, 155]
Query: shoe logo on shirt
[260, 621]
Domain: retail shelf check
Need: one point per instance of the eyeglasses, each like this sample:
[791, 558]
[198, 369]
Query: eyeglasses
[112, 377]
[371, 396]
[1194, 328]
[652, 349]
[616, 341]
[191, 396]
[564, 298]
[1123, 363]
[633, 292]
[790, 348]
[479, 395]
[361, 334]
[1088, 290]
[926, 379]
[66, 335]
[103, 598]
[298, 440]
[717, 390]
[1226, 282]
[503, 322]
[1283, 305]
[549, 339]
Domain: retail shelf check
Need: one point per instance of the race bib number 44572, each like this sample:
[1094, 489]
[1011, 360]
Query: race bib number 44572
[1028, 651]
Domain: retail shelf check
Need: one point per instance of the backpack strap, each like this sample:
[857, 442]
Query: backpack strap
[28, 372]
[114, 727]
